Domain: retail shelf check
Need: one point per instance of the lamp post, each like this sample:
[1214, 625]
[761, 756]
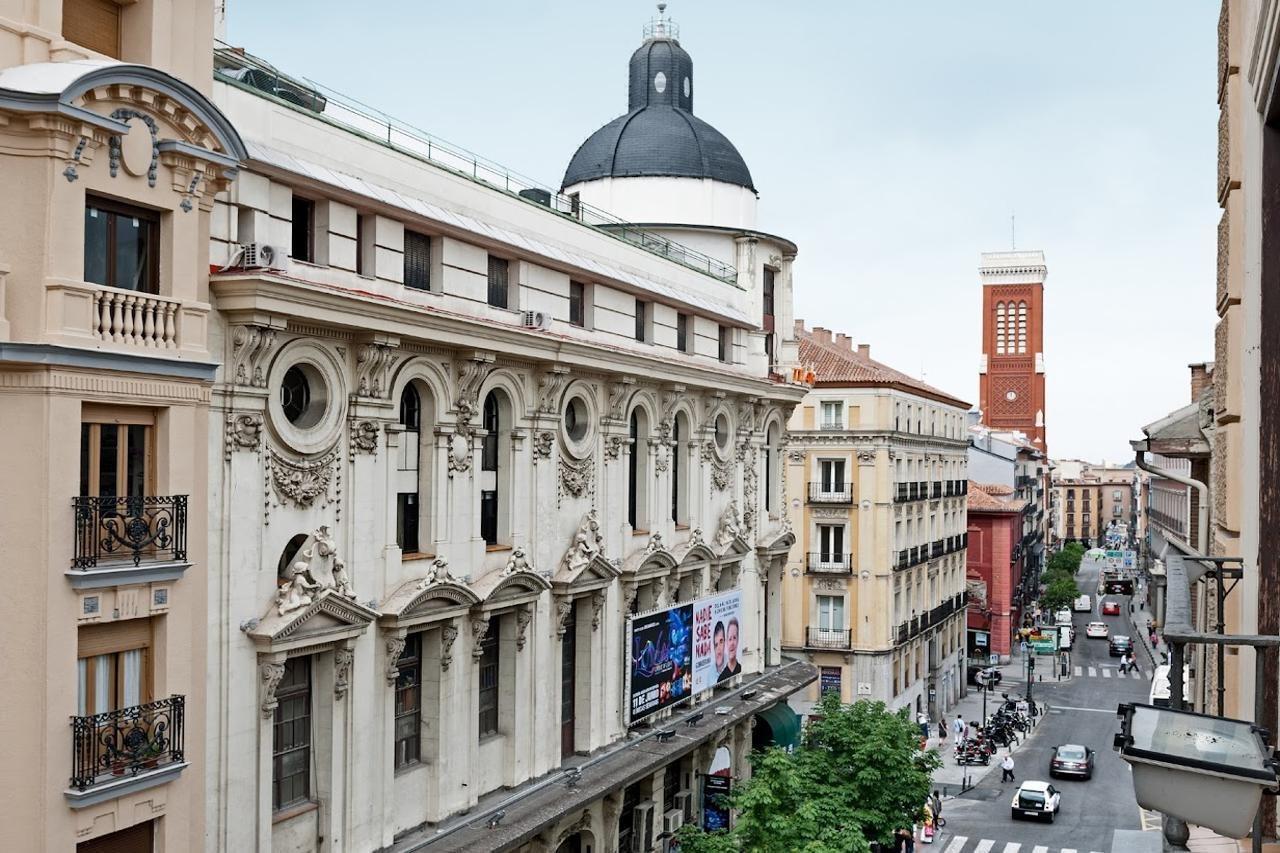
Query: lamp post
[1031, 669]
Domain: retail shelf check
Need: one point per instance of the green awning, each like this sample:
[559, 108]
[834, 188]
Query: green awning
[784, 723]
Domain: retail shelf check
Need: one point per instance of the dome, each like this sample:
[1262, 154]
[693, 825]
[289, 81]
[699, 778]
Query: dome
[659, 136]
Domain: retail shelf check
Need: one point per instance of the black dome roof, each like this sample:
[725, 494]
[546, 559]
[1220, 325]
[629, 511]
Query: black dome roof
[659, 135]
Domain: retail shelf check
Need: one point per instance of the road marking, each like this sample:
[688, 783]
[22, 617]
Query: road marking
[1093, 673]
[1079, 672]
[1106, 673]
[1094, 710]
[957, 844]
[1150, 820]
[1039, 849]
[1068, 850]
[984, 846]
[1012, 847]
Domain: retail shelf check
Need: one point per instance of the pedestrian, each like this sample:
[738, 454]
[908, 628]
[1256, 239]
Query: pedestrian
[936, 801]
[1006, 769]
[923, 721]
[905, 841]
[942, 728]
[957, 728]
[1155, 641]
[1124, 663]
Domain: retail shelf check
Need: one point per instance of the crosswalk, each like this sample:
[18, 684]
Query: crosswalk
[1109, 672]
[960, 844]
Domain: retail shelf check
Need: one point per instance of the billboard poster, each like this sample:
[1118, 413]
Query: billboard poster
[717, 639]
[661, 657]
[716, 785]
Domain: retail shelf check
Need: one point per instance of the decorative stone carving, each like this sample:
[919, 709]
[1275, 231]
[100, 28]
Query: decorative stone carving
[303, 482]
[342, 659]
[550, 386]
[437, 572]
[524, 615]
[517, 562]
[576, 478]
[730, 526]
[298, 591]
[598, 599]
[695, 537]
[327, 551]
[372, 366]
[588, 543]
[661, 456]
[720, 475]
[479, 627]
[243, 431]
[618, 393]
[709, 406]
[655, 545]
[471, 375]
[564, 606]
[115, 146]
[660, 587]
[364, 437]
[613, 446]
[795, 454]
[543, 441]
[716, 571]
[270, 674]
[251, 348]
[629, 591]
[448, 634]
[866, 457]
[395, 647]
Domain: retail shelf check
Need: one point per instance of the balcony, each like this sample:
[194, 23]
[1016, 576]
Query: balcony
[827, 563]
[901, 493]
[831, 493]
[903, 632]
[828, 638]
[937, 549]
[831, 425]
[119, 540]
[86, 314]
[125, 751]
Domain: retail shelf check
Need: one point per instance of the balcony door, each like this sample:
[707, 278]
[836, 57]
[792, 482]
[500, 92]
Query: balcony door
[568, 680]
[116, 452]
[831, 544]
[113, 666]
[831, 617]
[831, 477]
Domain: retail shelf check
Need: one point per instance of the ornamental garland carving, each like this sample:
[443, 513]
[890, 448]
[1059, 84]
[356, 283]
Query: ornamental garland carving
[613, 446]
[251, 348]
[243, 431]
[364, 437]
[114, 144]
[543, 441]
[730, 526]
[576, 477]
[661, 456]
[305, 482]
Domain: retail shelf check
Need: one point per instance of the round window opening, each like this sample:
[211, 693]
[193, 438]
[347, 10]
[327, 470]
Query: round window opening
[722, 432]
[575, 419]
[297, 400]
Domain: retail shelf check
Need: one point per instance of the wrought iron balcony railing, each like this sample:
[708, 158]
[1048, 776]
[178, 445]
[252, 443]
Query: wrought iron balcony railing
[118, 529]
[828, 638]
[903, 632]
[827, 563]
[127, 742]
[831, 493]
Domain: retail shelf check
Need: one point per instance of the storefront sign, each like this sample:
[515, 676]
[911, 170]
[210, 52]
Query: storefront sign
[829, 680]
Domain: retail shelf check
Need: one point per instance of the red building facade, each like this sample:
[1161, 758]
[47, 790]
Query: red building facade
[993, 570]
[1011, 372]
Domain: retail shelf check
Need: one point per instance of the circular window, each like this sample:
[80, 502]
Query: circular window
[306, 403]
[575, 419]
[660, 82]
[722, 431]
[295, 395]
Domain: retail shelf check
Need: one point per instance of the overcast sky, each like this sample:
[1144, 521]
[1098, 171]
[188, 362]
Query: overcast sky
[891, 141]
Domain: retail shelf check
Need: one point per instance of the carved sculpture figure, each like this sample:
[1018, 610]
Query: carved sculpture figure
[655, 545]
[517, 562]
[437, 572]
[297, 592]
[587, 543]
[341, 583]
[730, 527]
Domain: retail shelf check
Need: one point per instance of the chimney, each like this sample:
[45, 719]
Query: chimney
[844, 341]
[798, 328]
[864, 350]
[821, 335]
[1201, 378]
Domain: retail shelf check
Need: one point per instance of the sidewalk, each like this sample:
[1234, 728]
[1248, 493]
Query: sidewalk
[1139, 618]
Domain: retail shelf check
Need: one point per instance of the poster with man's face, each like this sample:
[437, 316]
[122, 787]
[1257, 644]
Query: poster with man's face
[717, 639]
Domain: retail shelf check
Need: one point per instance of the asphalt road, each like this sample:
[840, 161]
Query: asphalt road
[1097, 815]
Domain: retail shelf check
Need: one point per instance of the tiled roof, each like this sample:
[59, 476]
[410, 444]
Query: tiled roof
[838, 366]
[990, 497]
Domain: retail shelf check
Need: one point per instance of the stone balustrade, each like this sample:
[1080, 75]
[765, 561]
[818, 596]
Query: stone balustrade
[83, 314]
[124, 316]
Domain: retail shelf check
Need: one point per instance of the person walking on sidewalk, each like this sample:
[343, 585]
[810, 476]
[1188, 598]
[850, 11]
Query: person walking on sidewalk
[958, 729]
[922, 720]
[1006, 769]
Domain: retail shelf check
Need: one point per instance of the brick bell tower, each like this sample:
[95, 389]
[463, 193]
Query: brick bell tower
[1011, 374]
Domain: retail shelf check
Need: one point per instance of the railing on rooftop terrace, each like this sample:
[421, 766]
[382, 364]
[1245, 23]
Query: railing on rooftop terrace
[237, 68]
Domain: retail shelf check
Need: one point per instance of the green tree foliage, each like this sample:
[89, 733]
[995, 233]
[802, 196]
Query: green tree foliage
[857, 776]
[1060, 593]
[1068, 559]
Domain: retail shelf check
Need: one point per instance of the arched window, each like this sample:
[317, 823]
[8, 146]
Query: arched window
[679, 472]
[409, 474]
[1022, 327]
[772, 470]
[1000, 331]
[637, 467]
[492, 477]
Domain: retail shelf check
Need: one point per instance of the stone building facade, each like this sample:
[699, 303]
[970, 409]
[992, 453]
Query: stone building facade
[875, 582]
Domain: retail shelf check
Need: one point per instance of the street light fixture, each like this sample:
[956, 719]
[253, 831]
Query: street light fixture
[1206, 770]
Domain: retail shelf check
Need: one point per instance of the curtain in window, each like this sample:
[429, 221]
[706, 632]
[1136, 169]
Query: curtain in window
[102, 670]
[82, 681]
[132, 662]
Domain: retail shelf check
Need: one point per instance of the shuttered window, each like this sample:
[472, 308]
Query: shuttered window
[498, 270]
[135, 839]
[417, 261]
[94, 24]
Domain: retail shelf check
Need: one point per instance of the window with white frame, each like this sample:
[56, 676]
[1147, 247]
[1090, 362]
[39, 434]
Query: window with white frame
[832, 414]
[831, 477]
[831, 613]
[831, 544]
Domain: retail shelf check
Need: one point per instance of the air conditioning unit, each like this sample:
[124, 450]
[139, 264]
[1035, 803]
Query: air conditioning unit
[671, 823]
[262, 256]
[642, 826]
[537, 320]
[684, 802]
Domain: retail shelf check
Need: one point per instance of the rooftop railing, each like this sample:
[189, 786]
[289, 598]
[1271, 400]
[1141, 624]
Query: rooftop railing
[243, 70]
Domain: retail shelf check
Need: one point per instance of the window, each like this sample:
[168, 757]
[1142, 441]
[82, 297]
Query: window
[768, 298]
[417, 260]
[1022, 327]
[488, 676]
[568, 681]
[633, 474]
[291, 736]
[409, 702]
[499, 269]
[304, 221]
[115, 458]
[832, 414]
[683, 342]
[578, 304]
[831, 473]
[94, 24]
[831, 543]
[831, 613]
[575, 205]
[121, 246]
[295, 394]
[364, 244]
[1000, 329]
[408, 509]
[726, 347]
[113, 666]
[642, 321]
[489, 470]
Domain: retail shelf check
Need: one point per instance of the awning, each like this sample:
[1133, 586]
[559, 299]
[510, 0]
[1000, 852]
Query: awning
[784, 723]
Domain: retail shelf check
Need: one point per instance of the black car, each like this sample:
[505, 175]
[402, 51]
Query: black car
[990, 674]
[1071, 759]
[1120, 645]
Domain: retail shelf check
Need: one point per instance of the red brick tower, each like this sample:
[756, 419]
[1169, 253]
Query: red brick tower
[1011, 374]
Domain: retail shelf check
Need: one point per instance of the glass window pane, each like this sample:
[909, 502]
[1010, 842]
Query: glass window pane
[136, 461]
[108, 461]
[131, 252]
[95, 245]
[86, 436]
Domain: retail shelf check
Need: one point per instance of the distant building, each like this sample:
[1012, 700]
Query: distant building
[1011, 393]
[1008, 459]
[993, 571]
[1091, 499]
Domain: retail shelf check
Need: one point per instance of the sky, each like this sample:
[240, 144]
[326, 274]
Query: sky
[892, 142]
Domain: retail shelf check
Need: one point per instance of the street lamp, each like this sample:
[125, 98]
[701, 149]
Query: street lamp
[1031, 671]
[1206, 770]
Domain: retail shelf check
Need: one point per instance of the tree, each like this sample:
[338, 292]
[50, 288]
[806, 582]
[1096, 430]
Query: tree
[1059, 594]
[1068, 559]
[857, 776]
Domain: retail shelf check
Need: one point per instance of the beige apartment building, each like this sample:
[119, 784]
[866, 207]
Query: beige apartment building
[1090, 498]
[111, 155]
[874, 587]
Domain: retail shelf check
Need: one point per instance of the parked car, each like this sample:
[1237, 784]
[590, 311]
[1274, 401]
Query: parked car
[1071, 759]
[1096, 630]
[1082, 604]
[1120, 645]
[1036, 799]
[990, 673]
[1110, 608]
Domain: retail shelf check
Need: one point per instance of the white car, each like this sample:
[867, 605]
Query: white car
[1036, 799]
[1096, 630]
